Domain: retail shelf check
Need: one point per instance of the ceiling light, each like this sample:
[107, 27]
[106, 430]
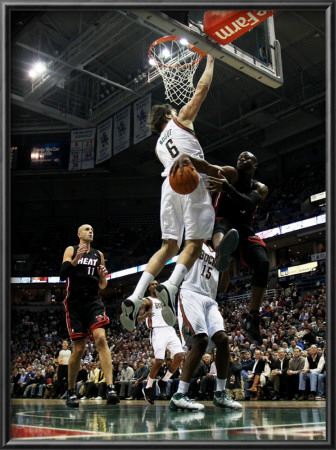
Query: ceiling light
[38, 69]
[165, 52]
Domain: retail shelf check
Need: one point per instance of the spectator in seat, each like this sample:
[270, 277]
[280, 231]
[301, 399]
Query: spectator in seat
[35, 384]
[279, 368]
[50, 379]
[314, 364]
[14, 382]
[81, 378]
[254, 376]
[234, 381]
[295, 367]
[30, 374]
[125, 380]
[208, 381]
[97, 389]
[136, 383]
[321, 391]
[247, 366]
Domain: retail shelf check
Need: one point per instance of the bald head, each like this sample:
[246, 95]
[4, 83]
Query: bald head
[247, 160]
[85, 233]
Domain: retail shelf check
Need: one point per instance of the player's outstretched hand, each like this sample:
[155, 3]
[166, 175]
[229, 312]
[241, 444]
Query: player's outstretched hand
[216, 184]
[182, 160]
[102, 271]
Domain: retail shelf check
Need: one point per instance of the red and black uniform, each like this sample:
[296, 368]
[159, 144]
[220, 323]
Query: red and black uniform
[236, 207]
[83, 306]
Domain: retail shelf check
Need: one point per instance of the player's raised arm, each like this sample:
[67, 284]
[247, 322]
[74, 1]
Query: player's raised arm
[189, 111]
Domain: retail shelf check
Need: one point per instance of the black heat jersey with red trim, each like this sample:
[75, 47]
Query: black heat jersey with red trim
[84, 275]
[226, 207]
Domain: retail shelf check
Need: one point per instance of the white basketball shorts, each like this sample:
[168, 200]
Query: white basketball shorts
[198, 314]
[163, 338]
[192, 213]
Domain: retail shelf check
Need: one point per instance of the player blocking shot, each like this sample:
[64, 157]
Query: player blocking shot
[192, 214]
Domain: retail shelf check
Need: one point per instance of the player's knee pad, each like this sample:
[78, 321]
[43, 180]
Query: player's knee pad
[260, 274]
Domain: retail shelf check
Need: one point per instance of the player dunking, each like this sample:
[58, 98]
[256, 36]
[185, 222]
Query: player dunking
[84, 270]
[235, 206]
[199, 320]
[163, 337]
[192, 213]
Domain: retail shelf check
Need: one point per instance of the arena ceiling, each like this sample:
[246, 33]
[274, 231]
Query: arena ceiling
[99, 65]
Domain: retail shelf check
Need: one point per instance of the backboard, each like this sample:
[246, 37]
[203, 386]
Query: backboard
[256, 53]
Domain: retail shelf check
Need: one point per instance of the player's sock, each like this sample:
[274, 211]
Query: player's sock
[183, 387]
[143, 283]
[167, 376]
[178, 274]
[220, 384]
[150, 382]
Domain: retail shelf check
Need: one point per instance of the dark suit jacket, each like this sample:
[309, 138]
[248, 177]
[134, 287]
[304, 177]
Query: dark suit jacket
[259, 367]
[276, 364]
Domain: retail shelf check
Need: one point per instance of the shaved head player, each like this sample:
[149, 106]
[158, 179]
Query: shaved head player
[84, 270]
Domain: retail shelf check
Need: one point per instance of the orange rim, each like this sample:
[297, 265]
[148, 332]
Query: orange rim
[201, 54]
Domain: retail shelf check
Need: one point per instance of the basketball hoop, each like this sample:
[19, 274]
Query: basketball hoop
[176, 61]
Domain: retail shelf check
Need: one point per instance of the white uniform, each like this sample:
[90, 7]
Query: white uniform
[192, 213]
[162, 336]
[197, 310]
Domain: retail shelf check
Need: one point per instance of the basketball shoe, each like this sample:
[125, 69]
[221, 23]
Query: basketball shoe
[111, 396]
[182, 401]
[148, 394]
[130, 309]
[250, 324]
[166, 292]
[225, 248]
[223, 400]
[72, 400]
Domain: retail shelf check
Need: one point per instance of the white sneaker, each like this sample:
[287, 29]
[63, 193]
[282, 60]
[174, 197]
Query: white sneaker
[182, 401]
[99, 398]
[130, 310]
[223, 400]
[166, 292]
[83, 398]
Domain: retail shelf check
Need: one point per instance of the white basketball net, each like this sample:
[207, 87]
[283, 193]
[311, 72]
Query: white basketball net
[177, 64]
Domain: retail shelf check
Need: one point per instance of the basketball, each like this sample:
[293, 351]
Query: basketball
[186, 182]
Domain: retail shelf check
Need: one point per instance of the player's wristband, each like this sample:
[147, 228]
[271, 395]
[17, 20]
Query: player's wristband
[66, 270]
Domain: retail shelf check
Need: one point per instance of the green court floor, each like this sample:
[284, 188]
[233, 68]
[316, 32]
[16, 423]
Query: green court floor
[136, 420]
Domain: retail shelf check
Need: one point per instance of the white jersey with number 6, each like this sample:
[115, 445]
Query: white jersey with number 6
[174, 140]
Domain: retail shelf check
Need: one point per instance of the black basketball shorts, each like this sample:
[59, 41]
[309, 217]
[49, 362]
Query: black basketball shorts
[84, 312]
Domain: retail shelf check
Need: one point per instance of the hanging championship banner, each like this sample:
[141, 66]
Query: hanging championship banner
[121, 130]
[104, 141]
[82, 149]
[141, 112]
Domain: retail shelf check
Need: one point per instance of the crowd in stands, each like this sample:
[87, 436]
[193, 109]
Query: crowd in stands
[294, 330]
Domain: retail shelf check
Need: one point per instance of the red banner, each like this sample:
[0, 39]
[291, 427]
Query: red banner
[226, 26]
